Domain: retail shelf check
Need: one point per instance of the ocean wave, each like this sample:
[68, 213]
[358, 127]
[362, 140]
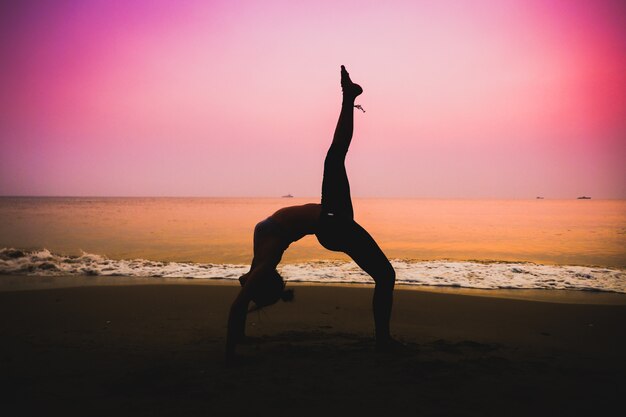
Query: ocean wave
[465, 274]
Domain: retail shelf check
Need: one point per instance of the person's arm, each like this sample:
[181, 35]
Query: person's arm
[239, 309]
[236, 323]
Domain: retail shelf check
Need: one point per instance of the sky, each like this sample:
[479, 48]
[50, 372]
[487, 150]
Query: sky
[463, 99]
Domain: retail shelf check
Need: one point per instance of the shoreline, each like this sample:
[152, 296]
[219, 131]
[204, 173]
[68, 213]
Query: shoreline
[439, 274]
[36, 283]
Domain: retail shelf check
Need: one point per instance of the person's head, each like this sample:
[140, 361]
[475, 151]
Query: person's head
[271, 289]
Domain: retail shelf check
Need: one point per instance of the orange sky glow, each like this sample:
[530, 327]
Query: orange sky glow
[484, 99]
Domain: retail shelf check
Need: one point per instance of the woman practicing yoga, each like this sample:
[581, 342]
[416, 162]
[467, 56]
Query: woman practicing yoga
[333, 224]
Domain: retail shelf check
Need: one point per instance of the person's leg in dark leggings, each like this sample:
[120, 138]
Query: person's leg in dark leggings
[340, 232]
[335, 186]
[364, 250]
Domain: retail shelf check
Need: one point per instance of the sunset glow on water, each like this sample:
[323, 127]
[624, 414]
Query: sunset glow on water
[218, 230]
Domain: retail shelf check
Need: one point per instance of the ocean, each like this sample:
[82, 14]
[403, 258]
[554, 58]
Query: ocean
[539, 244]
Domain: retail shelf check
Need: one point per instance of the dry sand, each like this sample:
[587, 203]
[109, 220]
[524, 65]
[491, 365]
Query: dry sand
[157, 350]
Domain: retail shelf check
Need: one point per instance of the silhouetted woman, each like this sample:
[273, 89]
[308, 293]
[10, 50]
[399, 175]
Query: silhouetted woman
[333, 224]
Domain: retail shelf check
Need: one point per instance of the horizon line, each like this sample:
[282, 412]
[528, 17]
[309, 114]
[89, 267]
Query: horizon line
[313, 197]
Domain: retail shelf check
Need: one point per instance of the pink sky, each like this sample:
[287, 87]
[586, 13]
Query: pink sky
[464, 99]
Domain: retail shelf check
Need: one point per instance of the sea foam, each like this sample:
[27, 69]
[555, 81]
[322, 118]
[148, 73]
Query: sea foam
[466, 274]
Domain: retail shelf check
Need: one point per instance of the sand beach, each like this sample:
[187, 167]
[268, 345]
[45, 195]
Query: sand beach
[157, 349]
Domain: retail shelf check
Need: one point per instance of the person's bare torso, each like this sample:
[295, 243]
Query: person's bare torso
[299, 221]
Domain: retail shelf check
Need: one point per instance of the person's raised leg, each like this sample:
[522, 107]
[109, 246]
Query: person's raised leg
[345, 124]
[335, 186]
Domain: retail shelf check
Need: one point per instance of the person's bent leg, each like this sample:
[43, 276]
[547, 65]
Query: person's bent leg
[364, 250]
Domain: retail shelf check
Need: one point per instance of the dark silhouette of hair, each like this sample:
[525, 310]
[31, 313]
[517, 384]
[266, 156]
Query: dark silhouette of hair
[272, 290]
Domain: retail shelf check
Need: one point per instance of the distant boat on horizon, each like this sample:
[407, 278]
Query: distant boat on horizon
[539, 198]
[287, 196]
[584, 198]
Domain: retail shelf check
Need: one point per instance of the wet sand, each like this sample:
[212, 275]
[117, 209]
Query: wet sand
[157, 350]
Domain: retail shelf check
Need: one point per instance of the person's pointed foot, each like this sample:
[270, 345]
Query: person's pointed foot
[350, 89]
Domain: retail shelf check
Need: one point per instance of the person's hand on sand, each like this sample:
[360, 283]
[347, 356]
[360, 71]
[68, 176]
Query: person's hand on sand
[233, 361]
[391, 345]
[248, 340]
